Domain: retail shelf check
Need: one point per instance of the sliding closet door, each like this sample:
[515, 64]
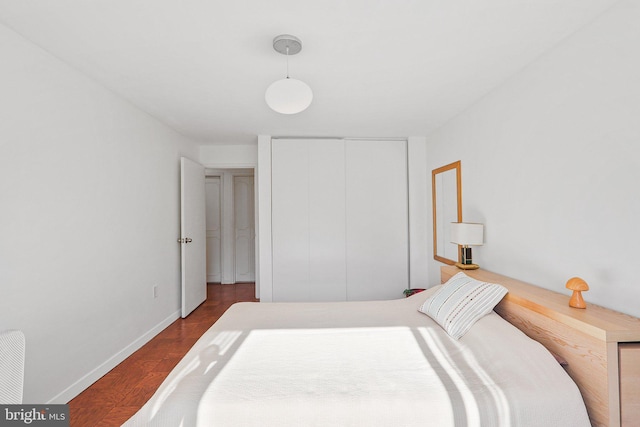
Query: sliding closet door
[376, 219]
[308, 221]
[327, 266]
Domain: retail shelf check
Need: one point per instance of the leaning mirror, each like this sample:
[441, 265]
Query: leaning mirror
[447, 208]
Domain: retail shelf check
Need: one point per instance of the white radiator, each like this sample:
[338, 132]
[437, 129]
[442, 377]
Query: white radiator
[12, 346]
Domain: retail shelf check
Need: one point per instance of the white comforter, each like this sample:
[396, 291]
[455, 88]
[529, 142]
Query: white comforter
[376, 363]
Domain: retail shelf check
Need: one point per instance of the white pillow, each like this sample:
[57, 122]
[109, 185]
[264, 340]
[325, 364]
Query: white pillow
[461, 302]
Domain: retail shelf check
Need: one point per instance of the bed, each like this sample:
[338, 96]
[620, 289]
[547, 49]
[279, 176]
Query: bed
[377, 363]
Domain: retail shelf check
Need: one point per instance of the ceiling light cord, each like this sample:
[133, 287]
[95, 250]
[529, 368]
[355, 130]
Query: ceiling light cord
[287, 61]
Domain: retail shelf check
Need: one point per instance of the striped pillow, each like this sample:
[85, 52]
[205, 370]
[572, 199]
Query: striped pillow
[461, 302]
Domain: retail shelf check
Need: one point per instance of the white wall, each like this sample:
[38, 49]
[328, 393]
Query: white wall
[229, 155]
[89, 188]
[550, 163]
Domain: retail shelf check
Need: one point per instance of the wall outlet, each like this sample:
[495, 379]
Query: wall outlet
[155, 291]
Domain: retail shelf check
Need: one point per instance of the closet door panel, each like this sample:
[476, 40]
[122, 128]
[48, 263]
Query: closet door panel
[213, 214]
[308, 220]
[290, 220]
[377, 244]
[327, 265]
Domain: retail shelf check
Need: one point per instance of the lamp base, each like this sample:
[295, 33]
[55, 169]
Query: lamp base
[467, 266]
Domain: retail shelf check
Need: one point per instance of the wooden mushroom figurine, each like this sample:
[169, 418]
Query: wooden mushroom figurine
[577, 285]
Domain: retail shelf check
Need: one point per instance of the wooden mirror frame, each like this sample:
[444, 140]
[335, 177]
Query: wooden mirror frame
[434, 196]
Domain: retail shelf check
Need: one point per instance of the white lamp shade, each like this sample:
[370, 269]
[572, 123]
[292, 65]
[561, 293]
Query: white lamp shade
[288, 96]
[466, 233]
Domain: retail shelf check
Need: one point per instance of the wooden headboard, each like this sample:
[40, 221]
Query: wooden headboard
[601, 346]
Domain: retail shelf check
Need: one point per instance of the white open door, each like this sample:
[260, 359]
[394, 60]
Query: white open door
[193, 235]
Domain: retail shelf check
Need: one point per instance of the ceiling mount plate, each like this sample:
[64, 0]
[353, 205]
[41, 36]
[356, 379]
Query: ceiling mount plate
[284, 41]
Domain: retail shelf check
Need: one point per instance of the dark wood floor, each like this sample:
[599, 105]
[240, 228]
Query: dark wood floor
[118, 395]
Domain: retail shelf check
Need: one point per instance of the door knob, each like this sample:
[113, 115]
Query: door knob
[185, 240]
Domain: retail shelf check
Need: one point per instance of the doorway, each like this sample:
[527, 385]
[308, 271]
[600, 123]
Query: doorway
[230, 212]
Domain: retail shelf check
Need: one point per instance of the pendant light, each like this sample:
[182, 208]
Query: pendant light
[288, 96]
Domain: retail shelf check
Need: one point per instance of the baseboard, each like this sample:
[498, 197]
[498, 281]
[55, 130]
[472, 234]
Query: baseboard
[83, 383]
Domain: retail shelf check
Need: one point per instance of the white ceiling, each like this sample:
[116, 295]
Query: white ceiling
[378, 68]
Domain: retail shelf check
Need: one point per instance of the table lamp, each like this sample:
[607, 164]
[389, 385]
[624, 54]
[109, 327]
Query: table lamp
[467, 234]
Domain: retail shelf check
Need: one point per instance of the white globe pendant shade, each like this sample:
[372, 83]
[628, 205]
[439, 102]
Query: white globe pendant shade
[288, 96]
